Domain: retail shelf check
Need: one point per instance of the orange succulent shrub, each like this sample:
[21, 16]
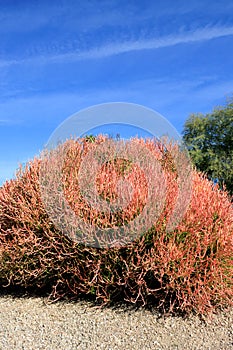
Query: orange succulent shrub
[196, 260]
[206, 236]
[188, 268]
[107, 178]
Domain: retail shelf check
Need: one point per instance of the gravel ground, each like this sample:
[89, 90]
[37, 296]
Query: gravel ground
[33, 323]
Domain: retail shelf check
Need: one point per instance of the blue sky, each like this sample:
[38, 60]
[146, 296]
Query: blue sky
[58, 57]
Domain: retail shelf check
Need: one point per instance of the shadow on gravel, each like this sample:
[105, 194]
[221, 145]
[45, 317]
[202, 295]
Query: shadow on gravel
[119, 305]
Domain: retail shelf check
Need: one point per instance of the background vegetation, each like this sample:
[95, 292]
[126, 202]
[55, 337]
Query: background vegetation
[209, 139]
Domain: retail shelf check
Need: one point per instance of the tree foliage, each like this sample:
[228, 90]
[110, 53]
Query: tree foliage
[209, 139]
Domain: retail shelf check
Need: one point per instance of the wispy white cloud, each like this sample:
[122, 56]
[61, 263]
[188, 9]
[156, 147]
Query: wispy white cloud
[157, 93]
[120, 47]
[6, 63]
[203, 34]
[6, 122]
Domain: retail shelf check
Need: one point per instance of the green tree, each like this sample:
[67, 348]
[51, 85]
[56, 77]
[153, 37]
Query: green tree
[209, 139]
